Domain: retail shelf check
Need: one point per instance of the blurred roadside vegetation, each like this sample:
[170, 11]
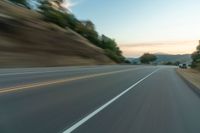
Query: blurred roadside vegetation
[66, 19]
[196, 58]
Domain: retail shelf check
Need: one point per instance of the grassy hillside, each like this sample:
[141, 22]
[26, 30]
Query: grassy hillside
[26, 40]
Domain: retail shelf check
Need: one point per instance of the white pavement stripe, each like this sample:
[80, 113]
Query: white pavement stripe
[35, 72]
[85, 119]
[24, 73]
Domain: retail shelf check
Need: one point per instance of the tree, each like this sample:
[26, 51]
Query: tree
[196, 58]
[88, 25]
[198, 48]
[148, 58]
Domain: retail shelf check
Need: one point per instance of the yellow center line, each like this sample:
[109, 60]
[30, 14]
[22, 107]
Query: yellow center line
[45, 83]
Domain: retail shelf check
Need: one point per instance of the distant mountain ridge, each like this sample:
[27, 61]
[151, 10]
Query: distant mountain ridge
[185, 58]
[163, 58]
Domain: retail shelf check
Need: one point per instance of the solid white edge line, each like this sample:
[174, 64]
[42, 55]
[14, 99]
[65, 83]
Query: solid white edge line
[12, 74]
[46, 71]
[82, 121]
[35, 72]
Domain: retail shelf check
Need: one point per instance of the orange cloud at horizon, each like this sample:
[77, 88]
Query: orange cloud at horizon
[181, 47]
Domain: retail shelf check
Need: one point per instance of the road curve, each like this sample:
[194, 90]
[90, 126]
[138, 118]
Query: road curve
[106, 99]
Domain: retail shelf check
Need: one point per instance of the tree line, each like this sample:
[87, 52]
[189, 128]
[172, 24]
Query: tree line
[64, 18]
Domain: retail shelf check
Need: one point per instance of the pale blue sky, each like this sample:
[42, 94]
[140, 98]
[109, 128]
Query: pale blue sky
[134, 21]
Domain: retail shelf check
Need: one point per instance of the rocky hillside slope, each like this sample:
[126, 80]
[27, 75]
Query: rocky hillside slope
[27, 41]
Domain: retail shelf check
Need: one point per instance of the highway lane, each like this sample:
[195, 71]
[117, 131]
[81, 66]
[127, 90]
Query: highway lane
[160, 103]
[14, 77]
[163, 103]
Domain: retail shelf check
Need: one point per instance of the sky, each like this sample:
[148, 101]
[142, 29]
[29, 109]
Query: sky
[138, 26]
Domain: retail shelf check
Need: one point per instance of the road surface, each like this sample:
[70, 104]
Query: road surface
[98, 99]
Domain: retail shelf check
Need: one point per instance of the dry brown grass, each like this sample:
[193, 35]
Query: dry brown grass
[193, 76]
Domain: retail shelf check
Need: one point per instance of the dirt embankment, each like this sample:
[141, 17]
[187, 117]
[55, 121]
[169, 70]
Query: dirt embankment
[192, 76]
[27, 41]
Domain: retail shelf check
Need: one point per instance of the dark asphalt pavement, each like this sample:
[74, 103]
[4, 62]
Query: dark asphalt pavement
[106, 99]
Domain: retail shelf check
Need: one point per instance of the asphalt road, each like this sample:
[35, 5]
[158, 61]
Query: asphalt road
[98, 99]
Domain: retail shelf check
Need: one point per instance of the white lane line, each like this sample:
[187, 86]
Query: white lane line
[72, 70]
[82, 121]
[10, 74]
[24, 73]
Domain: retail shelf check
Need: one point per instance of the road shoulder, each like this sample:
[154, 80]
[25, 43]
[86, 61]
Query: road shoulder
[191, 77]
